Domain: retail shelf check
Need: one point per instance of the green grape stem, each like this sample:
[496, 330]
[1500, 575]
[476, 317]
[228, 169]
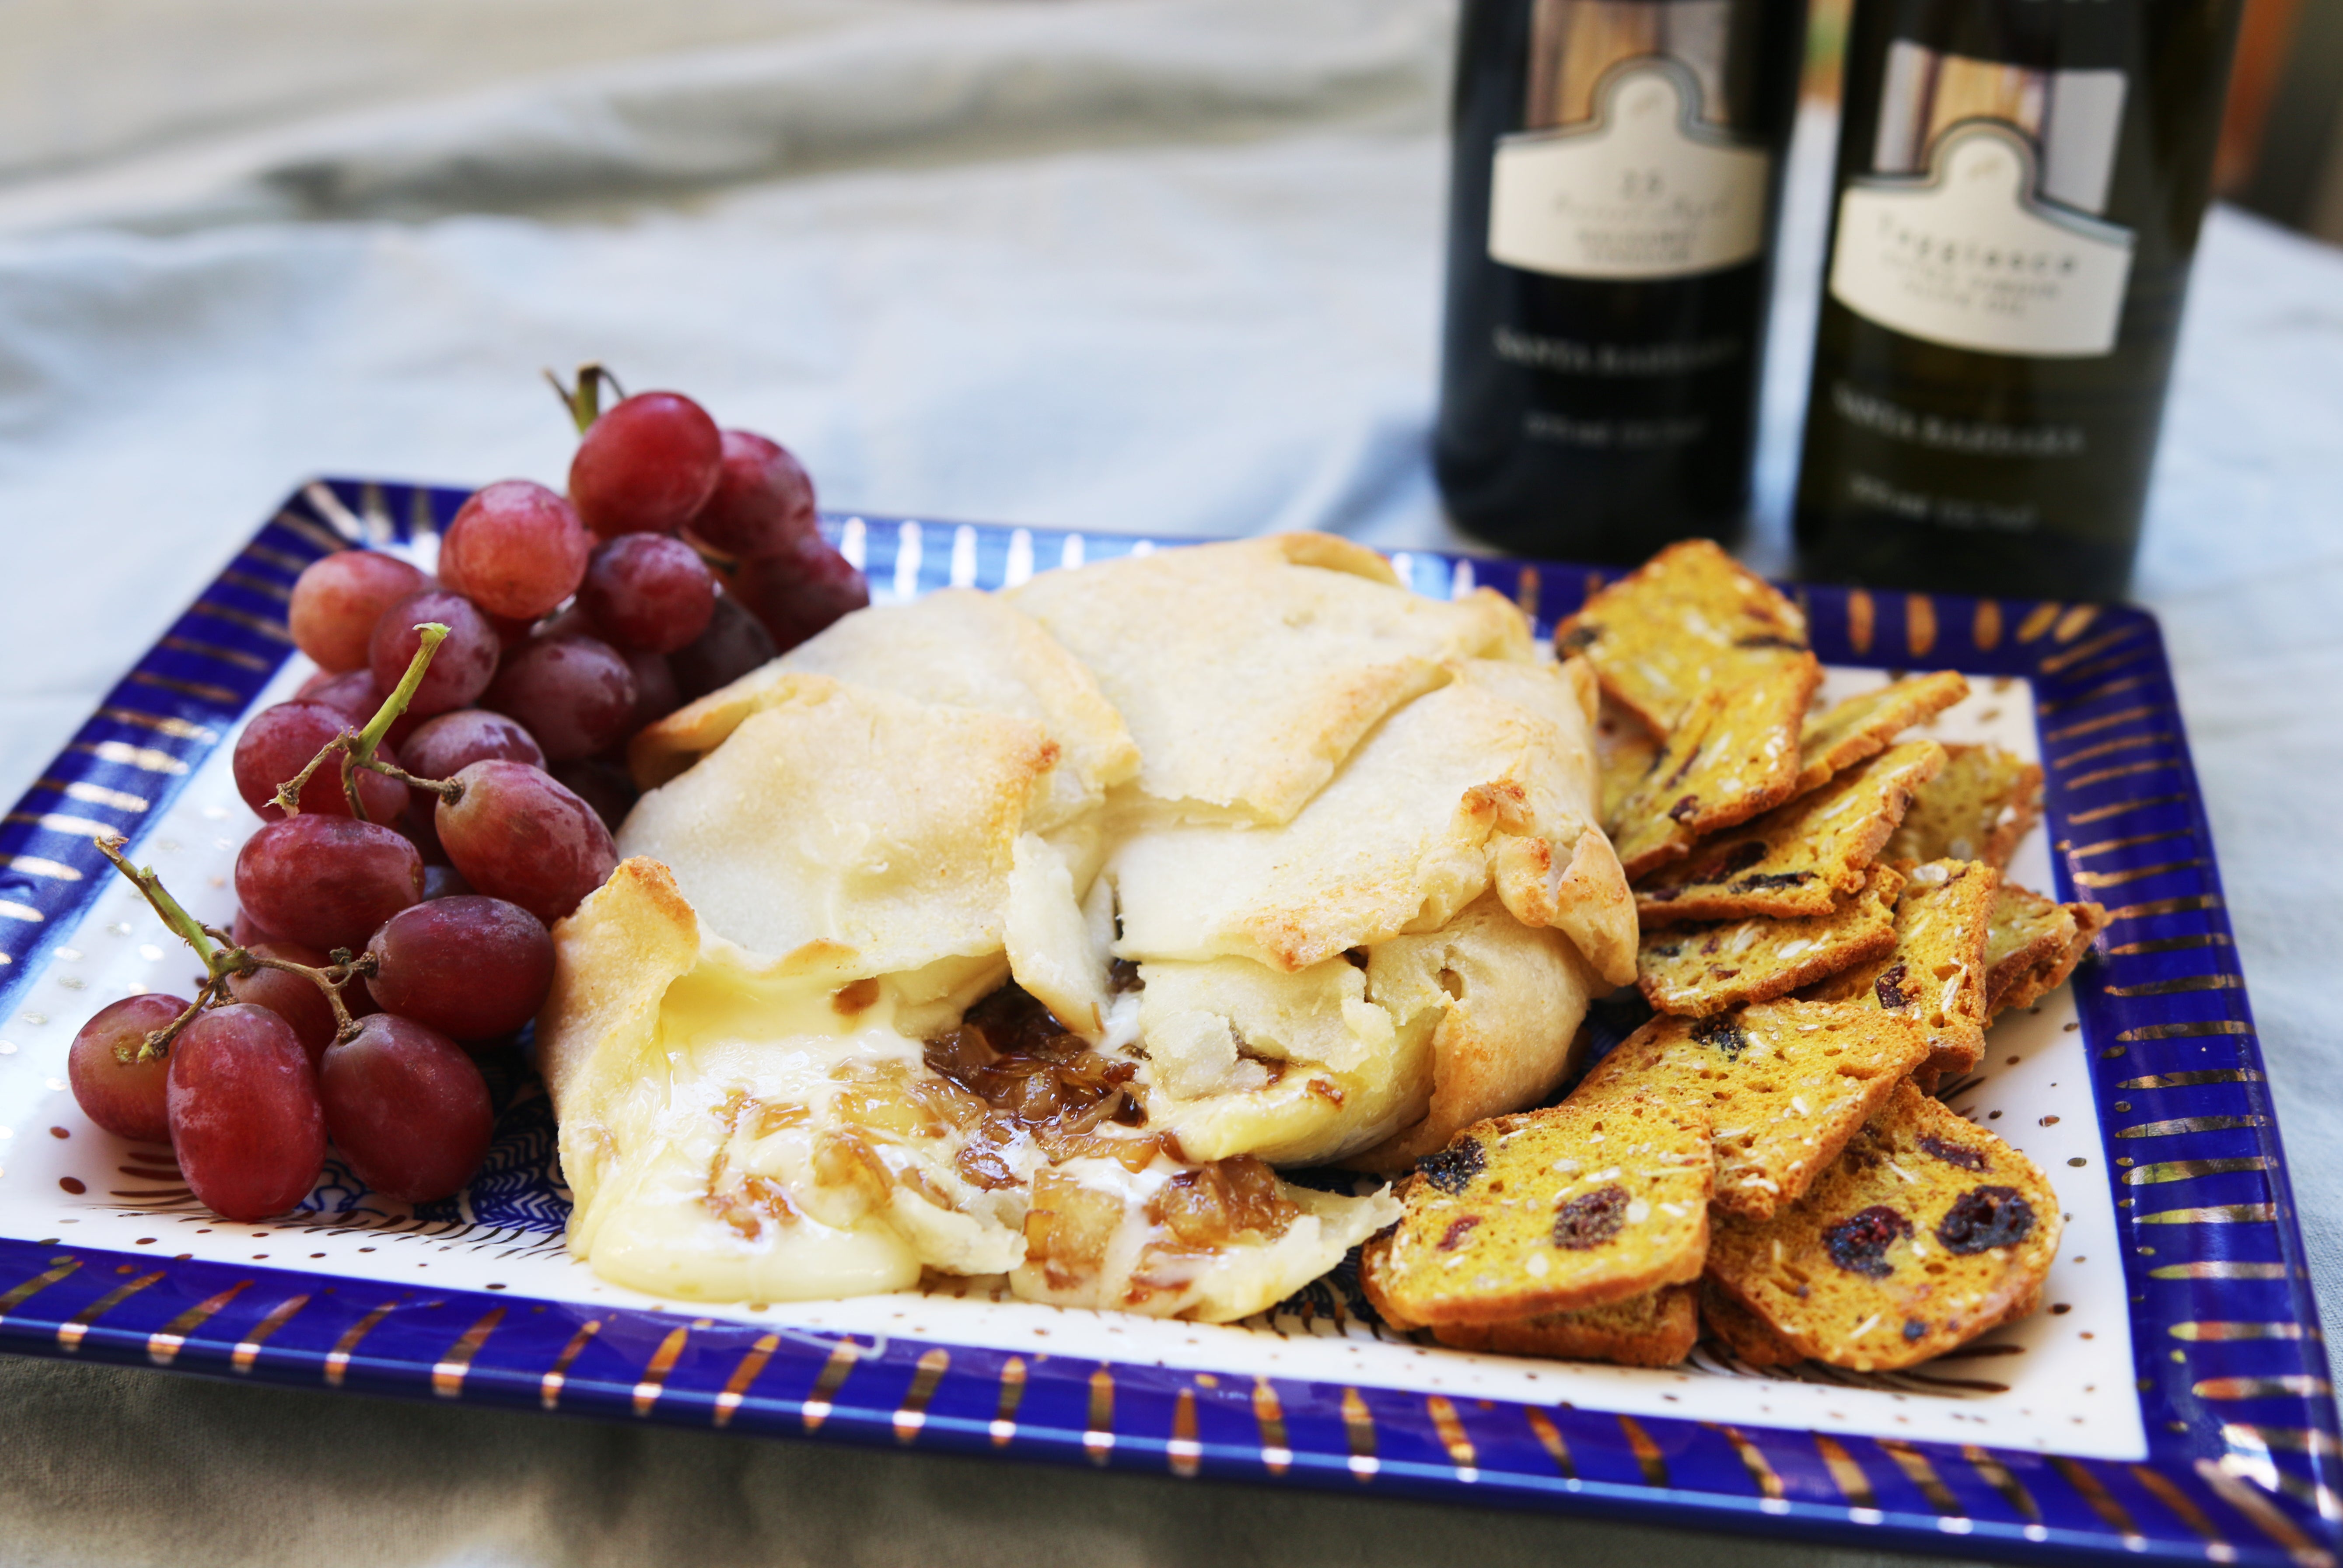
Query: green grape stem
[330, 980]
[157, 1044]
[433, 634]
[166, 909]
[357, 751]
[448, 790]
[224, 958]
[583, 402]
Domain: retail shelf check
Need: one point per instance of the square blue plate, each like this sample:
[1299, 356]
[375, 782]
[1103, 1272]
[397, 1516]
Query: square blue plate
[2232, 1378]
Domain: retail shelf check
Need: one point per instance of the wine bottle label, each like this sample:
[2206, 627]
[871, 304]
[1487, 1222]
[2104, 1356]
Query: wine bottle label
[1647, 189]
[1973, 254]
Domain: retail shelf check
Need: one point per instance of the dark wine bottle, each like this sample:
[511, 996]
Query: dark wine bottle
[1616, 178]
[2019, 186]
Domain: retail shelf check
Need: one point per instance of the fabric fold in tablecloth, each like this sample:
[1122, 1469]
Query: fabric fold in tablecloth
[889, 85]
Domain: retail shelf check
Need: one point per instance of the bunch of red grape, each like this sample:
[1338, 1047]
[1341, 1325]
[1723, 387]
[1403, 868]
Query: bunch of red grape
[682, 558]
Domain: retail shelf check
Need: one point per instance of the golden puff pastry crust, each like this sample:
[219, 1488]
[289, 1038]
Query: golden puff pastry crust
[1463, 789]
[852, 816]
[956, 647]
[1247, 671]
[1507, 1001]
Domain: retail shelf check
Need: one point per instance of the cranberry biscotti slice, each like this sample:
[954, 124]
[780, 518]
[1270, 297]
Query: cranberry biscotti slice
[1785, 1085]
[1926, 1233]
[1553, 1210]
[1657, 1329]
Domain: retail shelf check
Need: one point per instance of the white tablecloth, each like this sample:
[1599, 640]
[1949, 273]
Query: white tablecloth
[1159, 265]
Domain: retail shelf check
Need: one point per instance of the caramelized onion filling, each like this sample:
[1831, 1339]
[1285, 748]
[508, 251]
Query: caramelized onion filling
[1021, 1106]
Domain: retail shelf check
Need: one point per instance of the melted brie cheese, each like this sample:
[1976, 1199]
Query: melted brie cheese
[684, 1214]
[762, 1132]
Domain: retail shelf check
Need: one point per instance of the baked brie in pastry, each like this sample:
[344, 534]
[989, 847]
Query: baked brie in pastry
[1022, 934]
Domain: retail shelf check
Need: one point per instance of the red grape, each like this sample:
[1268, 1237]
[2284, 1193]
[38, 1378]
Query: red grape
[328, 882]
[461, 670]
[443, 882]
[603, 785]
[656, 695]
[800, 589]
[244, 1119]
[645, 466]
[247, 930]
[296, 999]
[280, 741]
[337, 601]
[573, 621]
[418, 829]
[352, 690]
[408, 1108]
[443, 746]
[445, 577]
[125, 1098]
[470, 967]
[516, 548]
[518, 834]
[512, 630]
[649, 592]
[763, 499]
[733, 644]
[574, 694]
